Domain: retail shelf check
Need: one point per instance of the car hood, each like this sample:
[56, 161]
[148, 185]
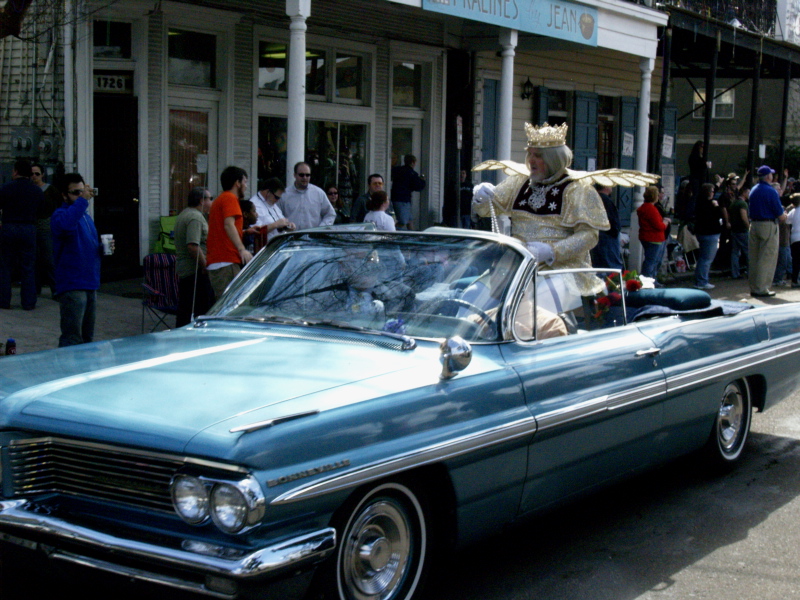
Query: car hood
[162, 390]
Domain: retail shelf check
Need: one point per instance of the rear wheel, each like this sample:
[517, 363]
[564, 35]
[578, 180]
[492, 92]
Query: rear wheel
[732, 424]
[384, 544]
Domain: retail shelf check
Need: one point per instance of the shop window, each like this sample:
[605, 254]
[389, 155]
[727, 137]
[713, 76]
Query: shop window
[188, 155]
[332, 75]
[349, 76]
[558, 103]
[407, 85]
[272, 67]
[315, 72]
[192, 58]
[112, 39]
[335, 151]
[723, 104]
[606, 157]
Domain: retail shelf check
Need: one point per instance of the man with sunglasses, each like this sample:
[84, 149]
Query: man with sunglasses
[76, 251]
[305, 204]
[19, 200]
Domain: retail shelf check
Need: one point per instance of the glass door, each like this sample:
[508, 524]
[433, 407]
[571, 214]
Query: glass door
[192, 155]
[407, 140]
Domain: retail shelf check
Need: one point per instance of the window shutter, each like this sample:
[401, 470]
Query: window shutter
[584, 129]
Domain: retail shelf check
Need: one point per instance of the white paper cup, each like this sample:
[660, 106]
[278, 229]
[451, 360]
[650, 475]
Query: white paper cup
[108, 243]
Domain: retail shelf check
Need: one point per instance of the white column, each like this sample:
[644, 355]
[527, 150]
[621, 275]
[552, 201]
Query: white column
[298, 11]
[646, 66]
[508, 41]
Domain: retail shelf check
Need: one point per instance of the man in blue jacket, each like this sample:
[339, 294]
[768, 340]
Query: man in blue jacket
[76, 251]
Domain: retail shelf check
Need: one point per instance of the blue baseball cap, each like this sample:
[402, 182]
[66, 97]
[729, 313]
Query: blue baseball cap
[764, 170]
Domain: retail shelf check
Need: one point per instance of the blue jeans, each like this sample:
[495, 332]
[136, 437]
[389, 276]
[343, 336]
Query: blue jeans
[402, 213]
[652, 254]
[78, 309]
[739, 247]
[784, 265]
[705, 256]
[18, 247]
[607, 253]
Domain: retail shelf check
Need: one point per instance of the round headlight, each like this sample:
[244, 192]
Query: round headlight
[228, 507]
[190, 499]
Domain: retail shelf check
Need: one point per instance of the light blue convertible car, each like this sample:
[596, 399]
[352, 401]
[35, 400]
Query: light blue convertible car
[359, 401]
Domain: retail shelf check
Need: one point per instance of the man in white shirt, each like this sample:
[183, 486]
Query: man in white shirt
[305, 204]
[269, 213]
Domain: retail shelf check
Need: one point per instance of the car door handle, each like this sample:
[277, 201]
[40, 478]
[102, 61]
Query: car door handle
[648, 352]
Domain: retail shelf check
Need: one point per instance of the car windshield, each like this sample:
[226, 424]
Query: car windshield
[417, 285]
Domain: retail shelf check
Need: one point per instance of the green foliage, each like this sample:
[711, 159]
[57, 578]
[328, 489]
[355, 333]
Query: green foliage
[791, 161]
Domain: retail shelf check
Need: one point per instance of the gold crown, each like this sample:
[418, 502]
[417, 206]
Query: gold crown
[546, 136]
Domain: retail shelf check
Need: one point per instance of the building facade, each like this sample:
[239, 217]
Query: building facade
[148, 100]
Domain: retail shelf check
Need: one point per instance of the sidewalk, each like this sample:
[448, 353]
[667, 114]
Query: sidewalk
[119, 311]
[119, 314]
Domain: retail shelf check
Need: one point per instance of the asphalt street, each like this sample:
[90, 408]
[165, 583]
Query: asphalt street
[677, 532]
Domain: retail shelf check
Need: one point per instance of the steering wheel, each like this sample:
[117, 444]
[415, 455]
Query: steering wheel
[487, 323]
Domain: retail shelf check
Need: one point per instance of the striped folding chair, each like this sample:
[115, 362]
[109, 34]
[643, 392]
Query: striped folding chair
[160, 289]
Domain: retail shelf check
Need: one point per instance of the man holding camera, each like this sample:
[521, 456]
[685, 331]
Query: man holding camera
[76, 252]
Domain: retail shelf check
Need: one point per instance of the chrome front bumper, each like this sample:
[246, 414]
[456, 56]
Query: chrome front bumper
[198, 558]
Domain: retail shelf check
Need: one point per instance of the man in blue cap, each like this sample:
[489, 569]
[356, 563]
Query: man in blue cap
[766, 212]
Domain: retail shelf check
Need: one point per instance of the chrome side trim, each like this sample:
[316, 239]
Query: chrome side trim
[138, 574]
[640, 394]
[557, 417]
[733, 367]
[416, 458]
[270, 560]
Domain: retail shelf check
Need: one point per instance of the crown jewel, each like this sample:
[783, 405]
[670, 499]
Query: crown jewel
[546, 136]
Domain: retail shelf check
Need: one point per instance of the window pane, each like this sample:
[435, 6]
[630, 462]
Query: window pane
[188, 155]
[336, 152]
[112, 40]
[315, 72]
[723, 104]
[271, 148]
[348, 77]
[407, 85]
[699, 98]
[272, 67]
[192, 58]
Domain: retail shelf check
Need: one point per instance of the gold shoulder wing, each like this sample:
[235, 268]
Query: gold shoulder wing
[620, 177]
[509, 167]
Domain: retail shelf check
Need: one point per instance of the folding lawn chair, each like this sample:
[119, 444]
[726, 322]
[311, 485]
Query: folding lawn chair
[160, 289]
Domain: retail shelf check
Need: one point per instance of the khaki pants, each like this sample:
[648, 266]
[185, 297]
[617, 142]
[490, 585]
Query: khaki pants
[763, 242]
[221, 278]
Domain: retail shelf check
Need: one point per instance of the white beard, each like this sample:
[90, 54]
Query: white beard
[536, 178]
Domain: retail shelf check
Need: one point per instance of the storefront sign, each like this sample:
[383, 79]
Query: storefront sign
[553, 18]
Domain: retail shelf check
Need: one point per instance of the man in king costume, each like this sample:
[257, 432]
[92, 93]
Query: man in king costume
[553, 209]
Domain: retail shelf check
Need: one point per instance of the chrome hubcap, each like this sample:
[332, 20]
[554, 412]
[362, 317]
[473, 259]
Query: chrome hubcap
[731, 418]
[376, 552]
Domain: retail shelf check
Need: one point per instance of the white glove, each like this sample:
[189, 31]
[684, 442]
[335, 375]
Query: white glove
[543, 252]
[624, 239]
[483, 192]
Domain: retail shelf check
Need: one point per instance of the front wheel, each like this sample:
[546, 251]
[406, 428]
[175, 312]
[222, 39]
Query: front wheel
[732, 424]
[384, 545]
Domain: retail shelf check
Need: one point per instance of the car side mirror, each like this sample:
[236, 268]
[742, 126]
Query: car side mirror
[456, 356]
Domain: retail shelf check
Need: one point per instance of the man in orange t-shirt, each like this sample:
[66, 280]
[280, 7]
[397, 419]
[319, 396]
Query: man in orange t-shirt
[226, 252]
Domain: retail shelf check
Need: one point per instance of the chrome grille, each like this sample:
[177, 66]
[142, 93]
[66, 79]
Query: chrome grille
[52, 465]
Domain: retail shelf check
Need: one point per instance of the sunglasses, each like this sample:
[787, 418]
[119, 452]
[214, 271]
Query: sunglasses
[35, 174]
[304, 174]
[333, 193]
[74, 192]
